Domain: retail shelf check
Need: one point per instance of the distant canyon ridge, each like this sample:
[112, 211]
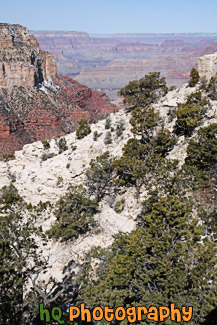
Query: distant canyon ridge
[109, 62]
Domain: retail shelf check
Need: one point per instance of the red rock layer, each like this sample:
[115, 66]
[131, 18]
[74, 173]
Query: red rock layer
[35, 103]
[29, 114]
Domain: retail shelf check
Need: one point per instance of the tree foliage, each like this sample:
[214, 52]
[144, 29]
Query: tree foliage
[74, 214]
[99, 176]
[145, 91]
[84, 128]
[19, 257]
[195, 77]
[202, 152]
[143, 122]
[160, 262]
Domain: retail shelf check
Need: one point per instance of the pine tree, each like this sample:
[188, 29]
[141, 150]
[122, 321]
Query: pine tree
[163, 261]
[195, 77]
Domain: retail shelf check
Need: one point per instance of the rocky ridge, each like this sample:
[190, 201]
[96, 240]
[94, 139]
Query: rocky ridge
[35, 103]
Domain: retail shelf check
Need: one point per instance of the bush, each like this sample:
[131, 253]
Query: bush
[96, 135]
[143, 121]
[145, 91]
[7, 156]
[119, 205]
[195, 77]
[62, 145]
[108, 138]
[212, 88]
[46, 144]
[99, 175]
[84, 128]
[74, 214]
[107, 122]
[73, 148]
[202, 152]
[163, 142]
[120, 128]
[188, 118]
[47, 156]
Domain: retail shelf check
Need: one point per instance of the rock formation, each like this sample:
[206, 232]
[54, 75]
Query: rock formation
[35, 103]
[208, 66]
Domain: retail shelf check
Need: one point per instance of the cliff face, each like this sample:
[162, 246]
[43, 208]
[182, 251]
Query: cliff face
[22, 63]
[208, 66]
[35, 103]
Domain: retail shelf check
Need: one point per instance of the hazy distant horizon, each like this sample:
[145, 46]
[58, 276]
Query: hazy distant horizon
[114, 16]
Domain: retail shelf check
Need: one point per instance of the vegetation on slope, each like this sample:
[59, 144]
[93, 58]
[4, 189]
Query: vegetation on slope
[171, 255]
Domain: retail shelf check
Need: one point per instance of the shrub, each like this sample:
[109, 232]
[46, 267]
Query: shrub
[74, 214]
[62, 145]
[202, 152]
[107, 122]
[119, 205]
[7, 156]
[120, 128]
[145, 91]
[212, 88]
[96, 135]
[46, 144]
[47, 156]
[143, 121]
[99, 175]
[73, 148]
[163, 142]
[84, 128]
[188, 118]
[108, 138]
[195, 77]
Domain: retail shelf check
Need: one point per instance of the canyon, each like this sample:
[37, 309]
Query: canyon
[35, 102]
[109, 62]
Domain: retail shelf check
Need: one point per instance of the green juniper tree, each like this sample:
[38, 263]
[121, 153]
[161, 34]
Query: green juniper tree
[20, 257]
[74, 214]
[163, 261]
[195, 77]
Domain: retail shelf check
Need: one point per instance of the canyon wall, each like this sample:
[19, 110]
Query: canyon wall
[21, 61]
[207, 66]
[109, 62]
[36, 103]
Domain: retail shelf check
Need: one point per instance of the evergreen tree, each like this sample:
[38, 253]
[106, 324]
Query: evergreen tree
[84, 128]
[20, 257]
[163, 261]
[145, 91]
[74, 214]
[195, 77]
[202, 152]
[143, 121]
[99, 176]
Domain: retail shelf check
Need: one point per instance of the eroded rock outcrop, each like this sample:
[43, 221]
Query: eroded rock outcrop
[22, 63]
[35, 103]
[208, 65]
